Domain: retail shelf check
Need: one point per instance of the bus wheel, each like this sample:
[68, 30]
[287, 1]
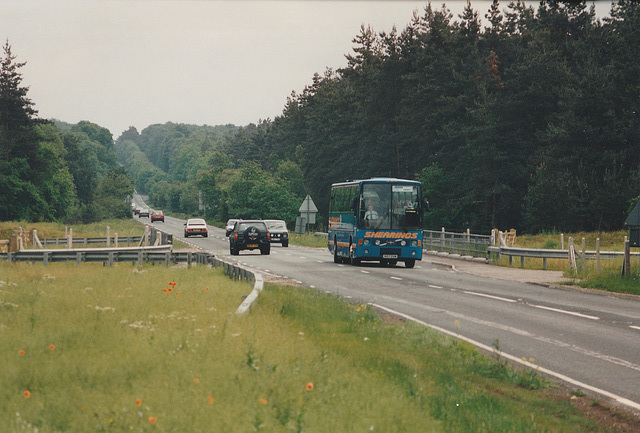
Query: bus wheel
[352, 259]
[410, 263]
[336, 259]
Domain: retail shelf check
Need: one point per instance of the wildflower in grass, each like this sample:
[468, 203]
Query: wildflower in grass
[206, 289]
[309, 386]
[138, 402]
[196, 380]
[263, 401]
[52, 347]
[169, 290]
[177, 293]
[27, 394]
[153, 419]
[164, 291]
[21, 352]
[210, 399]
[531, 360]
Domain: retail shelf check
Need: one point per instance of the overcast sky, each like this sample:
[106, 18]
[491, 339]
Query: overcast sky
[121, 63]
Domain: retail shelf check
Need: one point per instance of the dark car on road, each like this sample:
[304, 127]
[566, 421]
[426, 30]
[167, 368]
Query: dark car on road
[279, 232]
[249, 235]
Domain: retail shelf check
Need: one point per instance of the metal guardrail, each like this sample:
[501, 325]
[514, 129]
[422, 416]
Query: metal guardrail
[128, 240]
[544, 254]
[465, 244]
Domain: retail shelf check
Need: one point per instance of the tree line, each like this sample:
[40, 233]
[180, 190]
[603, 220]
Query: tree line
[530, 121]
[53, 171]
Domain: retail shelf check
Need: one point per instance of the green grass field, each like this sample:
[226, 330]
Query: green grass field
[88, 348]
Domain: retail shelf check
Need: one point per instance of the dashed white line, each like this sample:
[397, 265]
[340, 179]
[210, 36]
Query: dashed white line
[396, 278]
[365, 272]
[484, 295]
[431, 286]
[573, 313]
[635, 327]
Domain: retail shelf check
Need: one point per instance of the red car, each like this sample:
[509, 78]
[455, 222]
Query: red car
[157, 215]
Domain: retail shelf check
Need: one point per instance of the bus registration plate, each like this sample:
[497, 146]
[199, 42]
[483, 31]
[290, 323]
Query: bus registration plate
[252, 245]
[389, 256]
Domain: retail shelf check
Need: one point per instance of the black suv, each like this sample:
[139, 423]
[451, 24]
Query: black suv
[250, 235]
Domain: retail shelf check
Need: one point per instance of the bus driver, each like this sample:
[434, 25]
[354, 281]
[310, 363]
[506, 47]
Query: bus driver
[371, 214]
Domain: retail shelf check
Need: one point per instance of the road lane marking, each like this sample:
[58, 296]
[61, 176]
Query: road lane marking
[560, 376]
[484, 295]
[431, 286]
[365, 272]
[396, 278]
[573, 313]
[635, 327]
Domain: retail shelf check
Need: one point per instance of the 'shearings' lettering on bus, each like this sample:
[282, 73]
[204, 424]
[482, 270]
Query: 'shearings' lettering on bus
[391, 235]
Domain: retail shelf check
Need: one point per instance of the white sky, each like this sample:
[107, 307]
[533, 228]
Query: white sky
[138, 62]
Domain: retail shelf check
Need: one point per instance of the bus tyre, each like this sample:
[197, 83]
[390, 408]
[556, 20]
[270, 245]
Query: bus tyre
[336, 259]
[410, 263]
[352, 259]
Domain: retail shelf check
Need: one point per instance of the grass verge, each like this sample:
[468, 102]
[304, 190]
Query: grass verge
[88, 348]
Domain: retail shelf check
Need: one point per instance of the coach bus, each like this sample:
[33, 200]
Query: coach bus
[378, 219]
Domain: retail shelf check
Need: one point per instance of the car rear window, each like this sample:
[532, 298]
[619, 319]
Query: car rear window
[258, 224]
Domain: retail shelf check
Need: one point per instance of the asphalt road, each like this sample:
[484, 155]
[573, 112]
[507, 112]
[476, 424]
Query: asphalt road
[588, 339]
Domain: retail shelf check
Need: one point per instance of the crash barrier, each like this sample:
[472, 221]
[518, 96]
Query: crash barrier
[128, 240]
[464, 244]
[135, 255]
[572, 255]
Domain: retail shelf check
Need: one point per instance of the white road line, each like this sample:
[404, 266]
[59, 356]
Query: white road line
[365, 272]
[634, 327]
[431, 286]
[573, 313]
[560, 376]
[484, 295]
[396, 278]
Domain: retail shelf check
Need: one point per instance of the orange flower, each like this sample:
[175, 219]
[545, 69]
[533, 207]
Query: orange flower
[177, 293]
[138, 402]
[27, 394]
[52, 347]
[263, 401]
[309, 386]
[21, 352]
[206, 289]
[164, 291]
[168, 290]
[196, 380]
[152, 419]
[210, 399]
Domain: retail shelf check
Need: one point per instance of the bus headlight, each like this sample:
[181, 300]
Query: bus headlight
[403, 243]
[414, 243]
[377, 241]
[366, 241]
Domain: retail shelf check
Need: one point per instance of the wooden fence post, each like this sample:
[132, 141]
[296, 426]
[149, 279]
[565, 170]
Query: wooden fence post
[598, 256]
